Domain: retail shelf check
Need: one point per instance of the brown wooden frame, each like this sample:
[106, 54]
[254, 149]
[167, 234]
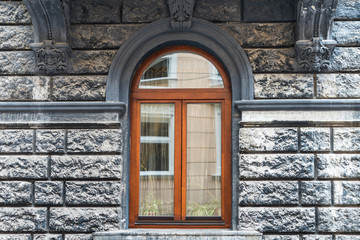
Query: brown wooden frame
[180, 97]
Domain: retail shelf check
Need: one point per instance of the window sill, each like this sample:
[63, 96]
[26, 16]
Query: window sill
[174, 234]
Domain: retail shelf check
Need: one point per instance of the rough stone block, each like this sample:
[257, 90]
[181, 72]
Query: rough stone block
[50, 140]
[317, 237]
[144, 11]
[283, 86]
[16, 141]
[15, 193]
[338, 166]
[346, 193]
[219, 11]
[96, 11]
[13, 88]
[268, 193]
[101, 140]
[281, 237]
[277, 219]
[271, 60]
[93, 193]
[91, 62]
[79, 88]
[14, 12]
[261, 34]
[315, 193]
[315, 139]
[347, 237]
[346, 139]
[48, 193]
[15, 37]
[345, 220]
[84, 167]
[47, 237]
[348, 9]
[22, 219]
[269, 10]
[285, 166]
[84, 219]
[338, 86]
[347, 33]
[23, 167]
[78, 237]
[343, 59]
[101, 36]
[15, 237]
[17, 62]
[268, 139]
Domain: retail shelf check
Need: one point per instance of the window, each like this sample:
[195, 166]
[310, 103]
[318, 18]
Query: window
[180, 166]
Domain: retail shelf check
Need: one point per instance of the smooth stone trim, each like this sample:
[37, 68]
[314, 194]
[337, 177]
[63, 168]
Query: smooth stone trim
[62, 107]
[298, 105]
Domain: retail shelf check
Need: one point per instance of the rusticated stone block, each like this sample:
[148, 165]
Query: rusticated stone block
[93, 193]
[79, 88]
[15, 193]
[47, 237]
[268, 193]
[269, 10]
[14, 12]
[84, 219]
[346, 193]
[101, 140]
[268, 139]
[22, 219]
[347, 237]
[346, 139]
[50, 140]
[277, 219]
[338, 165]
[315, 139]
[219, 11]
[16, 141]
[271, 60]
[283, 86]
[15, 37]
[343, 59]
[13, 88]
[339, 220]
[17, 62]
[316, 193]
[91, 62]
[284, 166]
[338, 85]
[348, 9]
[78, 237]
[84, 167]
[317, 237]
[48, 193]
[347, 33]
[261, 34]
[281, 237]
[15, 237]
[23, 167]
[144, 11]
[95, 11]
[101, 36]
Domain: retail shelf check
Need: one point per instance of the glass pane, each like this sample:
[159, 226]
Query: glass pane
[203, 160]
[181, 70]
[156, 196]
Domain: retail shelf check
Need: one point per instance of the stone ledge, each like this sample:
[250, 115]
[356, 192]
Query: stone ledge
[178, 234]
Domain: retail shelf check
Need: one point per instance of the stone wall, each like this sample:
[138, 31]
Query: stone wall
[298, 181]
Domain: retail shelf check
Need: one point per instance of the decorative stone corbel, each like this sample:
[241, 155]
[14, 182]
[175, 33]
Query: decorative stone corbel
[314, 45]
[181, 12]
[50, 19]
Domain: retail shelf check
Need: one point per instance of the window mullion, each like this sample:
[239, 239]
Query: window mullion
[177, 162]
[183, 160]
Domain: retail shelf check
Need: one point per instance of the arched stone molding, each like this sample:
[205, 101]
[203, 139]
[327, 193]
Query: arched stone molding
[50, 19]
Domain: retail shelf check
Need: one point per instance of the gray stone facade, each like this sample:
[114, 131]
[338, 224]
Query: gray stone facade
[64, 180]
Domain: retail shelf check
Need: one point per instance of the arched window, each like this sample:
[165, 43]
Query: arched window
[180, 157]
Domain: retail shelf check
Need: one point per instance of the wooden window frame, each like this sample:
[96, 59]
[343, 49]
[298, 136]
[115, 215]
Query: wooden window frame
[180, 97]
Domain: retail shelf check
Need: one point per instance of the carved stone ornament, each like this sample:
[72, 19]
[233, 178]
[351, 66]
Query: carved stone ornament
[51, 58]
[181, 13]
[314, 56]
